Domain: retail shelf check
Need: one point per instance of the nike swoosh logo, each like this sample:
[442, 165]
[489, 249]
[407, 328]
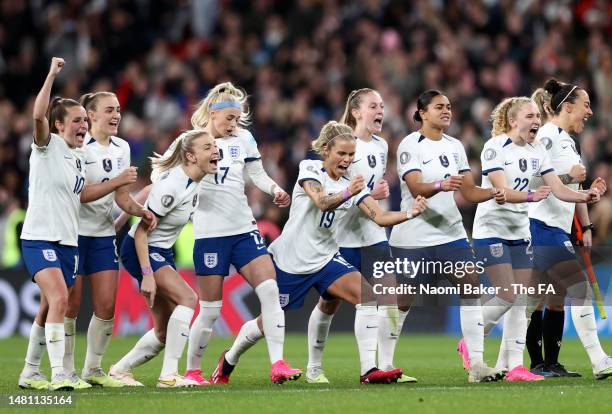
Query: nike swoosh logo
[370, 327]
[184, 334]
[280, 326]
[320, 342]
[564, 147]
[109, 334]
[520, 343]
[116, 261]
[57, 340]
[356, 161]
[170, 383]
[42, 343]
[260, 247]
[88, 163]
[480, 324]
[583, 316]
[202, 347]
[427, 162]
[392, 335]
[508, 163]
[148, 357]
[69, 334]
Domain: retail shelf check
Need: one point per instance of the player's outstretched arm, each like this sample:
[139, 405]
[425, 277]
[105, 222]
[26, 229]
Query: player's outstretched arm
[262, 180]
[414, 181]
[498, 180]
[141, 197]
[564, 193]
[390, 218]
[474, 194]
[325, 202]
[127, 203]
[93, 192]
[41, 104]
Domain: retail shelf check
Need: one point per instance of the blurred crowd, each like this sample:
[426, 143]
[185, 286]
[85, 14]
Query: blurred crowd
[298, 60]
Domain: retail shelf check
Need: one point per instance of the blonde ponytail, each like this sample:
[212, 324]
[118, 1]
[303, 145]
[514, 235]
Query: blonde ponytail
[176, 154]
[223, 95]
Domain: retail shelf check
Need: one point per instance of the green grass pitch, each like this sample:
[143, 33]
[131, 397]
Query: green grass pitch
[442, 386]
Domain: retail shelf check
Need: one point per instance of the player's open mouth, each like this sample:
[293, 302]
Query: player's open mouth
[534, 130]
[114, 124]
[343, 168]
[80, 135]
[378, 121]
[445, 118]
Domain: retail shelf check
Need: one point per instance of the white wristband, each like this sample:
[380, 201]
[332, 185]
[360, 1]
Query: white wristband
[409, 214]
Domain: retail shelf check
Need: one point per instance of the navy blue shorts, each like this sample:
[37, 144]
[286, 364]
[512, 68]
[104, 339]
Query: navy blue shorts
[214, 255]
[354, 255]
[495, 250]
[97, 254]
[294, 288]
[41, 254]
[551, 245]
[157, 256]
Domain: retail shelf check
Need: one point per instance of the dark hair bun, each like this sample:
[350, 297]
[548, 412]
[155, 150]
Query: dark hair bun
[417, 116]
[553, 86]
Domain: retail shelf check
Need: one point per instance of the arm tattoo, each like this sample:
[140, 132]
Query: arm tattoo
[565, 178]
[326, 202]
[371, 213]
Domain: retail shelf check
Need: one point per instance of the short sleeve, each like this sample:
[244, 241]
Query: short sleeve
[408, 159]
[491, 158]
[309, 171]
[252, 152]
[546, 164]
[163, 197]
[127, 156]
[362, 195]
[463, 164]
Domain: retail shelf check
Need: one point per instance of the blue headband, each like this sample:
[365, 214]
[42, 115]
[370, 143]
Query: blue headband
[225, 104]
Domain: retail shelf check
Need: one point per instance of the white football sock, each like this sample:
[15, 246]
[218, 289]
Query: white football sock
[247, 337]
[201, 331]
[390, 323]
[54, 336]
[69, 332]
[472, 327]
[99, 335]
[532, 305]
[318, 330]
[366, 332]
[36, 348]
[583, 316]
[177, 334]
[515, 332]
[145, 349]
[272, 317]
[492, 311]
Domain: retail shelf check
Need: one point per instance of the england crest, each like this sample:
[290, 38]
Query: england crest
[157, 257]
[49, 255]
[120, 163]
[523, 164]
[569, 246]
[210, 260]
[456, 157]
[444, 161]
[372, 160]
[234, 151]
[383, 158]
[497, 250]
[107, 164]
[535, 164]
[283, 298]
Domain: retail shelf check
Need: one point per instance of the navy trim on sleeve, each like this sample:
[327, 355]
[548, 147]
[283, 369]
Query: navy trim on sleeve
[547, 171]
[307, 179]
[251, 159]
[409, 171]
[485, 172]
[466, 170]
[153, 211]
[114, 143]
[362, 198]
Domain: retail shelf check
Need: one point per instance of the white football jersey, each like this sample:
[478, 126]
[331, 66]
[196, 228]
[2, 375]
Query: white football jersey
[436, 160]
[520, 164]
[173, 199]
[102, 164]
[55, 183]
[309, 239]
[357, 229]
[224, 210]
[563, 155]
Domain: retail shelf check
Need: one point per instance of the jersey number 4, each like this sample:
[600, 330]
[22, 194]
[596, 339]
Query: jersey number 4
[225, 170]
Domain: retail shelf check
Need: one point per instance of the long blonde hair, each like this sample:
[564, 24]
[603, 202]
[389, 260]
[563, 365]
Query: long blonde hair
[542, 99]
[223, 92]
[352, 102]
[329, 133]
[502, 113]
[176, 154]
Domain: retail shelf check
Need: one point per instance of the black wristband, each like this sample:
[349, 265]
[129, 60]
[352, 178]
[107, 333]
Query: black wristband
[588, 227]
